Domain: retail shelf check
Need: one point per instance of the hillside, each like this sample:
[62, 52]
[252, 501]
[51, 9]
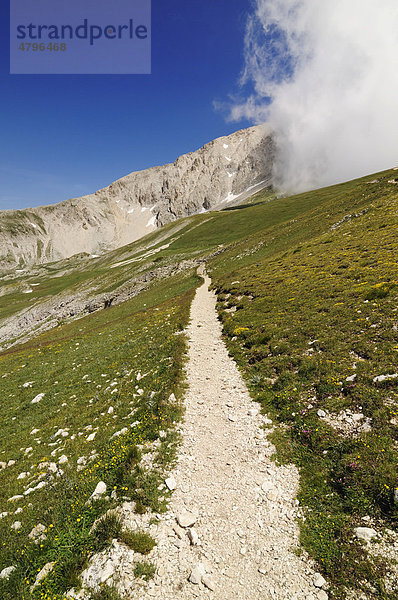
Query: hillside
[93, 382]
[222, 172]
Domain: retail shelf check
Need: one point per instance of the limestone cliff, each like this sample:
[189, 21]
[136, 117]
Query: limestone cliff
[225, 171]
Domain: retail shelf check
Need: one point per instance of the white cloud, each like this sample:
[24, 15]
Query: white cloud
[324, 75]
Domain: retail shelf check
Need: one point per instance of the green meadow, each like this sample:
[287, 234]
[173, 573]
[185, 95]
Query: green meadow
[307, 293]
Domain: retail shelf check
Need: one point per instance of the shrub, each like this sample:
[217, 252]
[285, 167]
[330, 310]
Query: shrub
[107, 528]
[106, 593]
[144, 570]
[139, 541]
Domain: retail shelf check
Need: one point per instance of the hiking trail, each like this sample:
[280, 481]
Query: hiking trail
[241, 506]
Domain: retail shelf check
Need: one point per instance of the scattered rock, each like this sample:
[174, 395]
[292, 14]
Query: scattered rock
[197, 573]
[319, 581]
[381, 378]
[351, 378]
[267, 486]
[5, 573]
[365, 533]
[99, 491]
[16, 525]
[171, 483]
[38, 533]
[37, 398]
[186, 519]
[321, 413]
[208, 582]
[193, 536]
[43, 573]
[15, 498]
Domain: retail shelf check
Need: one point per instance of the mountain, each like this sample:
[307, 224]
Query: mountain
[222, 173]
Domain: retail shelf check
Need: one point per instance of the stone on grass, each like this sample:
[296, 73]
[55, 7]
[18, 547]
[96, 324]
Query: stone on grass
[321, 413]
[15, 498]
[42, 574]
[351, 378]
[365, 533]
[37, 398]
[5, 573]
[38, 533]
[99, 491]
[62, 459]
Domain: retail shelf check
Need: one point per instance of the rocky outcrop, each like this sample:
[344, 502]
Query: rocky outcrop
[225, 171]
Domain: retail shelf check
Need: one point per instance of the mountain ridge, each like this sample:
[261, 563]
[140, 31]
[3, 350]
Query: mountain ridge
[223, 171]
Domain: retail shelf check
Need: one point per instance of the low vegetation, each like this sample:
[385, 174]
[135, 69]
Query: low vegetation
[103, 391]
[314, 329]
[307, 293]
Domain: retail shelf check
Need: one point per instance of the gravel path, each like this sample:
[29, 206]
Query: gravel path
[244, 506]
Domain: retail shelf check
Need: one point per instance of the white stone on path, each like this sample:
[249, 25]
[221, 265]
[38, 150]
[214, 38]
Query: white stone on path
[171, 483]
[197, 573]
[319, 581]
[186, 519]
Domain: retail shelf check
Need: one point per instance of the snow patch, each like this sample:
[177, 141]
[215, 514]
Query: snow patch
[229, 159]
[152, 222]
[231, 197]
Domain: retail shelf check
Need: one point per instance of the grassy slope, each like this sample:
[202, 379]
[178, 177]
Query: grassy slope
[317, 304]
[129, 358]
[300, 279]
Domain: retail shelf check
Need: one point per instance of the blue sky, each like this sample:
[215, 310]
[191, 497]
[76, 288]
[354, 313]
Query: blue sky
[65, 136]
